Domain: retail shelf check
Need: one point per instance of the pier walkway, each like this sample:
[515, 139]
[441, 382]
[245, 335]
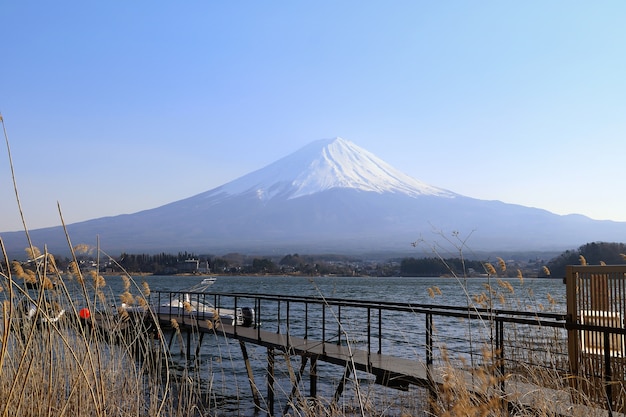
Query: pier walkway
[401, 344]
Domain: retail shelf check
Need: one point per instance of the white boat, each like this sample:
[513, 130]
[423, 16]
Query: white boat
[191, 305]
[198, 310]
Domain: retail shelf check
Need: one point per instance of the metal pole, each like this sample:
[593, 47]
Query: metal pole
[257, 315]
[380, 331]
[323, 328]
[500, 350]
[278, 321]
[369, 336]
[236, 317]
[607, 372]
[306, 320]
[339, 326]
[429, 339]
[432, 391]
[270, 381]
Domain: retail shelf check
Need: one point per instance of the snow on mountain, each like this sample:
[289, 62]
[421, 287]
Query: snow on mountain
[323, 165]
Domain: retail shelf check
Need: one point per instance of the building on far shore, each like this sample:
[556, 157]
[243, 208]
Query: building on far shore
[192, 266]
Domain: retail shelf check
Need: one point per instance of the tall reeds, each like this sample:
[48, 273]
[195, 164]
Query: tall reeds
[531, 378]
[65, 351]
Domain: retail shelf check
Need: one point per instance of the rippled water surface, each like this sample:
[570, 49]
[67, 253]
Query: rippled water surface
[533, 292]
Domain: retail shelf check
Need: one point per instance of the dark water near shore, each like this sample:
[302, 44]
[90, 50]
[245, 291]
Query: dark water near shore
[221, 365]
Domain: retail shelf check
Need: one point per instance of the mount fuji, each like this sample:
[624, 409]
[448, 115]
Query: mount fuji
[331, 196]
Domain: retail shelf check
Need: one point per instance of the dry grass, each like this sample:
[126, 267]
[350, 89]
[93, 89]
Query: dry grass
[54, 360]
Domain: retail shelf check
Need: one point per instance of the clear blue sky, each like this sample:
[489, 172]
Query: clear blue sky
[113, 107]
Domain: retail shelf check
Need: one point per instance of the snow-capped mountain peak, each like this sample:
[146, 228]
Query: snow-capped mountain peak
[260, 213]
[323, 165]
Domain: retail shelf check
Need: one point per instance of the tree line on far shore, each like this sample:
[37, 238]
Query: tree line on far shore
[595, 253]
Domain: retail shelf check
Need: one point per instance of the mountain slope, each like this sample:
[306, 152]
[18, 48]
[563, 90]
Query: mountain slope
[330, 196]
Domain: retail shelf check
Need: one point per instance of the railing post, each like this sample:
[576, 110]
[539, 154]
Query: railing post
[287, 319]
[324, 328]
[429, 339]
[257, 315]
[500, 350]
[369, 334]
[380, 330]
[339, 326]
[432, 391]
[306, 320]
[278, 319]
[236, 316]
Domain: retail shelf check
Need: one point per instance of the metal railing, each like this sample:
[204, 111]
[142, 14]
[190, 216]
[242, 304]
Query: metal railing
[519, 341]
[406, 330]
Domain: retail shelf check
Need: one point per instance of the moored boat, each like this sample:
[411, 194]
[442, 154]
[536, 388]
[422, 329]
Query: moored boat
[199, 310]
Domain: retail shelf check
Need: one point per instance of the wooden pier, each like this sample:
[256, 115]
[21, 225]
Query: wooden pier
[316, 329]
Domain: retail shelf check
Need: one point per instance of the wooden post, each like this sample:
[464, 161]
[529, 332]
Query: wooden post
[599, 292]
[199, 344]
[313, 386]
[169, 345]
[342, 383]
[253, 387]
[188, 350]
[295, 384]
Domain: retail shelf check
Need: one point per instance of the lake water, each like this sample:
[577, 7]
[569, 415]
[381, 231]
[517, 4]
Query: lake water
[537, 292]
[221, 364]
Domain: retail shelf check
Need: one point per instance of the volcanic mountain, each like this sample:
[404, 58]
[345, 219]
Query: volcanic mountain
[330, 196]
